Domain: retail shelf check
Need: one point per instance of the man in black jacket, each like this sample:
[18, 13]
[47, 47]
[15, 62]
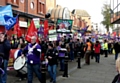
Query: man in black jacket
[116, 47]
[52, 56]
[5, 50]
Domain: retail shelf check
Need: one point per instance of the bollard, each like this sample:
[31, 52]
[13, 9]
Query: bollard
[43, 72]
[65, 74]
[79, 60]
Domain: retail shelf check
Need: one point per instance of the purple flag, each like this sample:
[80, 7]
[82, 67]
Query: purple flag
[58, 37]
[82, 31]
[41, 30]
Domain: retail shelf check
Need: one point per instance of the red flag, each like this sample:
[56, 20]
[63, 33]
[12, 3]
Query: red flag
[45, 28]
[32, 31]
[17, 29]
[114, 34]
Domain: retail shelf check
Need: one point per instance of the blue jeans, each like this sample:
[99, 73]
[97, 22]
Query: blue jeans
[3, 78]
[71, 55]
[52, 69]
[97, 57]
[61, 63]
[36, 69]
[116, 56]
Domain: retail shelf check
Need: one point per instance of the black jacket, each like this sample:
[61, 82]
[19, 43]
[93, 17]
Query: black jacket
[116, 79]
[54, 54]
[5, 49]
[116, 47]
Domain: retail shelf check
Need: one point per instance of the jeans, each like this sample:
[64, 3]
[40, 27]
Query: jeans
[97, 57]
[61, 63]
[106, 53]
[71, 55]
[116, 56]
[36, 69]
[3, 78]
[52, 69]
[87, 57]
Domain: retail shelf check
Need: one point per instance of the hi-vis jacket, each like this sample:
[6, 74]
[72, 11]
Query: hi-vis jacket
[105, 46]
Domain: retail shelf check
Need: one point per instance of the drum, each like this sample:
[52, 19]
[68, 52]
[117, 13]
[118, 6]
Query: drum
[20, 65]
[13, 56]
[16, 53]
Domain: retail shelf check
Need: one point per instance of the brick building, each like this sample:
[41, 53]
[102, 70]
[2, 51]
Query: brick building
[115, 15]
[27, 9]
[81, 19]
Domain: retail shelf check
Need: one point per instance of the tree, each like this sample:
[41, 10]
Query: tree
[106, 16]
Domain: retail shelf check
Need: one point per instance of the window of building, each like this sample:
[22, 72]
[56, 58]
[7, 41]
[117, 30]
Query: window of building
[22, 1]
[41, 7]
[32, 5]
[15, 2]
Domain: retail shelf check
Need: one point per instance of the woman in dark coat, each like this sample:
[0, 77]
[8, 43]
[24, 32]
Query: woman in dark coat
[116, 47]
[117, 77]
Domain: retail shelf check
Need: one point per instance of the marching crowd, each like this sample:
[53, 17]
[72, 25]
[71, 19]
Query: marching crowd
[51, 52]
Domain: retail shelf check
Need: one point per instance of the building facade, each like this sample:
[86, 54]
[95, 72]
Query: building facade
[27, 9]
[115, 14]
[81, 19]
[50, 4]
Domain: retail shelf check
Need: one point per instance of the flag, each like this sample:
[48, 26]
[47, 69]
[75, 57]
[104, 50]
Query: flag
[9, 21]
[41, 30]
[17, 29]
[32, 31]
[82, 31]
[108, 35]
[45, 28]
[114, 34]
[5, 10]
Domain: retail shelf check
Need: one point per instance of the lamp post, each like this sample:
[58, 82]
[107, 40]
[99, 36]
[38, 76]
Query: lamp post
[96, 26]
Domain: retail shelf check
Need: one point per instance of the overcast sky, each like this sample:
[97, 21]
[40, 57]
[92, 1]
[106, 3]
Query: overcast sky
[93, 7]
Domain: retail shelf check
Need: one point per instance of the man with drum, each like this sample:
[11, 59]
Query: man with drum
[33, 51]
[5, 51]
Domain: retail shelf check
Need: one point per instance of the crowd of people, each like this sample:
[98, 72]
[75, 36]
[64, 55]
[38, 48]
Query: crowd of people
[52, 52]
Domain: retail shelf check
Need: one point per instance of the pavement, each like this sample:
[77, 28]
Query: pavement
[102, 72]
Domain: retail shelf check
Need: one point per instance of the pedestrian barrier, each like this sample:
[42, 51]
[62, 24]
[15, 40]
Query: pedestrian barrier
[66, 66]
[79, 60]
[43, 72]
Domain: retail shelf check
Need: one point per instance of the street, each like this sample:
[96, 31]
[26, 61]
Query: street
[102, 72]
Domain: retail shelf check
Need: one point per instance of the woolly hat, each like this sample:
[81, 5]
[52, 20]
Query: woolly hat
[51, 45]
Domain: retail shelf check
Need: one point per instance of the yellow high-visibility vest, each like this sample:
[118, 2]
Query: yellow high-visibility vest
[106, 46]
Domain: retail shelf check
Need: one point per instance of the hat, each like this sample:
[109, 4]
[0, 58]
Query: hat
[51, 45]
[1, 32]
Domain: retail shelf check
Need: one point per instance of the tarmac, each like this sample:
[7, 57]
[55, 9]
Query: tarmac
[103, 72]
